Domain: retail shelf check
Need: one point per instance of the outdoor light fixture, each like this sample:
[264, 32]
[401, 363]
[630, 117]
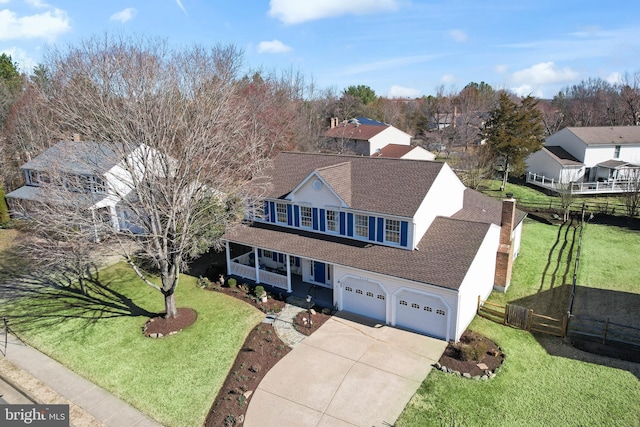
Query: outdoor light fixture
[308, 311]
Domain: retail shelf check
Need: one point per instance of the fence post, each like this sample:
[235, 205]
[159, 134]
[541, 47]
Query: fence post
[6, 334]
[529, 319]
[504, 317]
[478, 308]
[606, 328]
[565, 324]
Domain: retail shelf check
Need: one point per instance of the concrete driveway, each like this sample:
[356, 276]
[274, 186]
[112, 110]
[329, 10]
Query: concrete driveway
[348, 373]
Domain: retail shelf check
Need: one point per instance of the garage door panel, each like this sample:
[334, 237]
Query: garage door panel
[421, 312]
[364, 298]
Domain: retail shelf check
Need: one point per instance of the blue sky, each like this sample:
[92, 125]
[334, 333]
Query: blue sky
[397, 47]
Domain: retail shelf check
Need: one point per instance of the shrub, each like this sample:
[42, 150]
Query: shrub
[259, 291]
[232, 282]
[203, 282]
[475, 351]
[4, 210]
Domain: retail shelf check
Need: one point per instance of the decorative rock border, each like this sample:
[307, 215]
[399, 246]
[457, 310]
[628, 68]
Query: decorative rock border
[488, 374]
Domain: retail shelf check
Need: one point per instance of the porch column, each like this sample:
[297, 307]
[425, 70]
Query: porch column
[288, 260]
[228, 255]
[114, 218]
[256, 264]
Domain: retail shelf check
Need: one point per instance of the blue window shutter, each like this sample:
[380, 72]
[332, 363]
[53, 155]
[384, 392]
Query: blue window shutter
[296, 215]
[372, 228]
[272, 211]
[297, 261]
[404, 229]
[314, 216]
[380, 230]
[289, 215]
[259, 252]
[322, 220]
[343, 222]
[266, 211]
[281, 258]
[350, 224]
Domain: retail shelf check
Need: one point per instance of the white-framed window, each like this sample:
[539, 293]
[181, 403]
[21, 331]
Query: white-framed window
[99, 186]
[333, 221]
[281, 212]
[392, 230]
[306, 216]
[616, 152]
[361, 225]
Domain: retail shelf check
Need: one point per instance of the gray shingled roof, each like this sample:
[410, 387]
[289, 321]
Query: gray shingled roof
[608, 135]
[478, 207]
[617, 164]
[389, 186]
[562, 155]
[443, 258]
[79, 157]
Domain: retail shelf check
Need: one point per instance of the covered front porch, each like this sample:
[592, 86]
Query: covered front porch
[282, 273]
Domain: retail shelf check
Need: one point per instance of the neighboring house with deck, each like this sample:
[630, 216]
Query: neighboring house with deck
[588, 160]
[93, 175]
[400, 241]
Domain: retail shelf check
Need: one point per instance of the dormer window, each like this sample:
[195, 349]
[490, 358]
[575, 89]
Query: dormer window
[333, 224]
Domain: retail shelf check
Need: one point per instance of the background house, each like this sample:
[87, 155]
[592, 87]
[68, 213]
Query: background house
[587, 160]
[399, 241]
[363, 136]
[81, 174]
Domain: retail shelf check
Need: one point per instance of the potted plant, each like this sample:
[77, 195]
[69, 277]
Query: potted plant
[261, 293]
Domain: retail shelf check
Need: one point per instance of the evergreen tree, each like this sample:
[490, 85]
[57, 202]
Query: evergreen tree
[513, 132]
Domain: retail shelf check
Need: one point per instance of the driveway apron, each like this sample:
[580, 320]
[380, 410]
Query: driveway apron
[350, 372]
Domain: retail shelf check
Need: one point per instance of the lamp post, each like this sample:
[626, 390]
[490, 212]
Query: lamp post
[309, 311]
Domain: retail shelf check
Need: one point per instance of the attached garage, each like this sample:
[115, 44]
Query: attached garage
[421, 312]
[364, 297]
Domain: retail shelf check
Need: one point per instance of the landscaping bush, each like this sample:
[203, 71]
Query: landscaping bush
[4, 209]
[232, 282]
[474, 351]
[259, 291]
[203, 282]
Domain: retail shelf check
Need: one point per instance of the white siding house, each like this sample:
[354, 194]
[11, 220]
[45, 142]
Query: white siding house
[402, 242]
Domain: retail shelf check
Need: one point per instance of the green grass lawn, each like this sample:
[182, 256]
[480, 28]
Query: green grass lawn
[536, 387]
[174, 379]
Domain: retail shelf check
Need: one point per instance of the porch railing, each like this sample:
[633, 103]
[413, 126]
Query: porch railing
[249, 272]
[273, 279]
[595, 187]
[245, 271]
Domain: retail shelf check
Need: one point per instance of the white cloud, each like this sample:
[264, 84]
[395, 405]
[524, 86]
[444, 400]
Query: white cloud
[181, 6]
[124, 15]
[526, 90]
[296, 11]
[47, 25]
[403, 92]
[22, 58]
[38, 4]
[458, 35]
[544, 73]
[614, 78]
[274, 46]
[447, 78]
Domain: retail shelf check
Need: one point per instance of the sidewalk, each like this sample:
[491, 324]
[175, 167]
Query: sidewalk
[50, 382]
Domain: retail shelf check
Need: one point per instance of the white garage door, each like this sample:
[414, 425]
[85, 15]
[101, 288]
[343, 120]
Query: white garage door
[364, 298]
[422, 313]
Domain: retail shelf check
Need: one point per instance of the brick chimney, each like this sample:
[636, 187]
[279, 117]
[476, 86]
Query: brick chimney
[504, 257]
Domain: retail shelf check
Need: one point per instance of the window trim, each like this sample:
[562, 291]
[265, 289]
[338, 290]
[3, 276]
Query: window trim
[304, 219]
[388, 232]
[361, 227]
[335, 220]
[278, 213]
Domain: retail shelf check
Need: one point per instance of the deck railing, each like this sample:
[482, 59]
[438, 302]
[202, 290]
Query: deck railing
[595, 187]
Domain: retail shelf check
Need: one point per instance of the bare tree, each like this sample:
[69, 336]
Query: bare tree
[175, 123]
[632, 195]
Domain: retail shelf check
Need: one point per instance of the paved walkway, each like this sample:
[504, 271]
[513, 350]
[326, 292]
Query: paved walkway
[283, 324]
[347, 373]
[47, 381]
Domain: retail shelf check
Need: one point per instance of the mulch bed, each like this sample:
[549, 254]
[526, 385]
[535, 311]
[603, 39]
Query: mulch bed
[301, 324]
[472, 350]
[159, 327]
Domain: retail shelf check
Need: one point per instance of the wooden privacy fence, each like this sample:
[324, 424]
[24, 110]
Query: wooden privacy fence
[522, 318]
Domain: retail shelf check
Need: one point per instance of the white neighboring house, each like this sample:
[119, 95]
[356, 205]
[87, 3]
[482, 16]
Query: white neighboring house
[399, 241]
[365, 137]
[588, 160]
[397, 151]
[97, 174]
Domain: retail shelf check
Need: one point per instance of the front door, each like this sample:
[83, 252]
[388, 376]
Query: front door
[319, 269]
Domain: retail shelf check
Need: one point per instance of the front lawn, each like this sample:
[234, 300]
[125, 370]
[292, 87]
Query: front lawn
[544, 381]
[174, 379]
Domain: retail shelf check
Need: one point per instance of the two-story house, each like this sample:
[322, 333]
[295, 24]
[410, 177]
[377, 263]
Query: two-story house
[400, 241]
[93, 175]
[588, 160]
[367, 137]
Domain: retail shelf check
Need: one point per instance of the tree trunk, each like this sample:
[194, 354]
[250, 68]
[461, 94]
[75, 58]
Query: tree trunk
[505, 177]
[170, 305]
